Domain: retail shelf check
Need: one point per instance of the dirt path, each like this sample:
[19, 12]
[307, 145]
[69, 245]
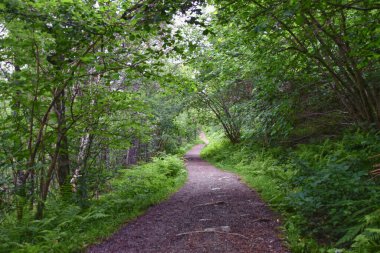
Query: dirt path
[203, 137]
[213, 212]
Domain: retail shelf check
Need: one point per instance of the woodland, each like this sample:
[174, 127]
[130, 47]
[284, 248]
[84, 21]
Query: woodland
[100, 99]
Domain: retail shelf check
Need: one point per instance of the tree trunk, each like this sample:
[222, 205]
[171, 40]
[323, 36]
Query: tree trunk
[132, 153]
[78, 180]
[63, 160]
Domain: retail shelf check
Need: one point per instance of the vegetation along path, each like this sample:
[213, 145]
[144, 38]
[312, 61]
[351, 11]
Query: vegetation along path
[213, 212]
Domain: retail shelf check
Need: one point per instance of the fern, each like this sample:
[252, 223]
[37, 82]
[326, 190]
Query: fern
[351, 234]
[369, 239]
[95, 215]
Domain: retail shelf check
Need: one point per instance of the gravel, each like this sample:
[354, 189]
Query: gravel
[213, 212]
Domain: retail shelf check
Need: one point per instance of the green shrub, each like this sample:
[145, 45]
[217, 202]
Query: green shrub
[332, 188]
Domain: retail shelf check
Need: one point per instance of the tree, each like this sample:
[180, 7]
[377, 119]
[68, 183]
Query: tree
[62, 64]
[338, 38]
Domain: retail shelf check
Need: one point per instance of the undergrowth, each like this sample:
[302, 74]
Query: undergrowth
[68, 228]
[324, 192]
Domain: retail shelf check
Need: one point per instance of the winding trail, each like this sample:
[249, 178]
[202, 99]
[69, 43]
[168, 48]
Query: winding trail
[213, 212]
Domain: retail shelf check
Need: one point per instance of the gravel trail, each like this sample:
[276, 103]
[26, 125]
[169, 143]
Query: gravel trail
[213, 212]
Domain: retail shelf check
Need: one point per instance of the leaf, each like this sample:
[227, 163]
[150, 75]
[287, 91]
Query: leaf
[299, 19]
[88, 59]
[206, 32]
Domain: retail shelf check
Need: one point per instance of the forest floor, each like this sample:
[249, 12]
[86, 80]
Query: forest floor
[213, 212]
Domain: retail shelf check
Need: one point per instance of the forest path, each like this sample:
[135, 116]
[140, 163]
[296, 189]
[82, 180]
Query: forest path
[213, 212]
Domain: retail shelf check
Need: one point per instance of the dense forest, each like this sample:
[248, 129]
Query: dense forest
[99, 100]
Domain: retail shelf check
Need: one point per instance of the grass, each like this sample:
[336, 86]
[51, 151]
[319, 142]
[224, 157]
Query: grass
[68, 228]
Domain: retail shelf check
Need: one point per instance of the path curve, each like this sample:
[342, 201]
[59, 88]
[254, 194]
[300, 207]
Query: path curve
[213, 212]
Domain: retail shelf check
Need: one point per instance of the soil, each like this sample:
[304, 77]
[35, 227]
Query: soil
[213, 212]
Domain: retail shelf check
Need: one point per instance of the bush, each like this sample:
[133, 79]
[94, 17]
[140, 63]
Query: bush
[332, 187]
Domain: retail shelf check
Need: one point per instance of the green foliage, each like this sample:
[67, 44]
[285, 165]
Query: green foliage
[317, 42]
[82, 92]
[333, 192]
[333, 184]
[323, 190]
[366, 235]
[301, 65]
[90, 86]
[176, 125]
[68, 228]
